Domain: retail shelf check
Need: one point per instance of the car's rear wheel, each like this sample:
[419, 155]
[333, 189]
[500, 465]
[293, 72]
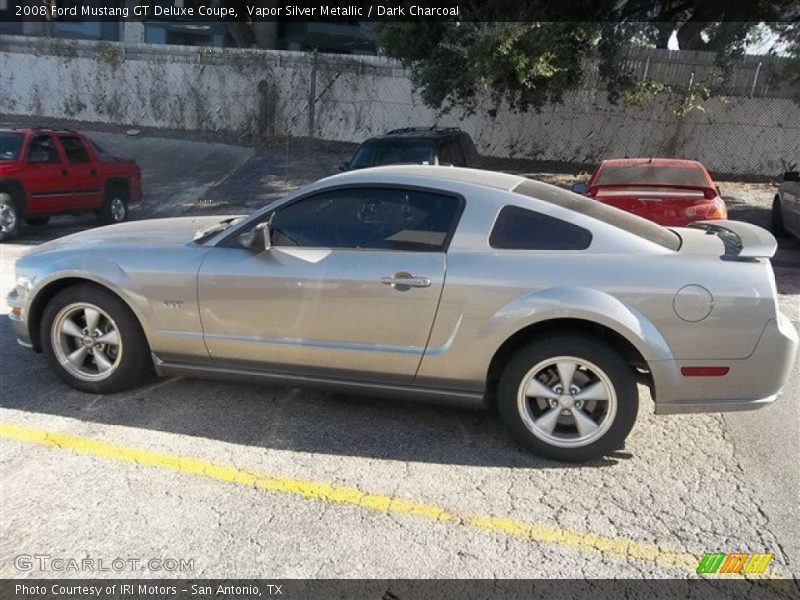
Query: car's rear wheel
[9, 218]
[115, 206]
[93, 341]
[37, 221]
[776, 218]
[569, 397]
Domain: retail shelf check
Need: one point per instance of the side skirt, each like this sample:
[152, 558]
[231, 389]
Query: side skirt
[434, 396]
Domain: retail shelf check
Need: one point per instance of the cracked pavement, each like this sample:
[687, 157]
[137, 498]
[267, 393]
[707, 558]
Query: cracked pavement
[682, 485]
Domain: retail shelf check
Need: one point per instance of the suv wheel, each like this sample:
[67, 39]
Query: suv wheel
[94, 341]
[569, 397]
[9, 218]
[115, 206]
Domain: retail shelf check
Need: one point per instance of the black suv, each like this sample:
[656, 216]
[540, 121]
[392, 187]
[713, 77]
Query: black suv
[416, 146]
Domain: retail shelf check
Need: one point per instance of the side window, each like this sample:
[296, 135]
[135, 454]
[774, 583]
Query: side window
[43, 150]
[521, 229]
[74, 149]
[457, 153]
[369, 218]
[470, 152]
[452, 154]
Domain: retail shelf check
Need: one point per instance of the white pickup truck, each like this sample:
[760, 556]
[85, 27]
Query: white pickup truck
[786, 206]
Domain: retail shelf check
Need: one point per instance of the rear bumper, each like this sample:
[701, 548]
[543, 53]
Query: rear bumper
[751, 383]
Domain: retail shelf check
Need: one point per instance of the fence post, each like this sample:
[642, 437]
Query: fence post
[312, 96]
[755, 80]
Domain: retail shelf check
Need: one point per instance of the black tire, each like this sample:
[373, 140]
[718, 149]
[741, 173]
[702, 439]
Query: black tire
[10, 217]
[37, 221]
[617, 372]
[115, 205]
[134, 366]
[776, 218]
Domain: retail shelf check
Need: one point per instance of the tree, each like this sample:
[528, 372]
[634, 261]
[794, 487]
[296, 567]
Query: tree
[529, 63]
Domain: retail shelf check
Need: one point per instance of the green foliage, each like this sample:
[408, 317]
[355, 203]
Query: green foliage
[531, 64]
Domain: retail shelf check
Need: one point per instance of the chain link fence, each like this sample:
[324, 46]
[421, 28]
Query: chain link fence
[750, 127]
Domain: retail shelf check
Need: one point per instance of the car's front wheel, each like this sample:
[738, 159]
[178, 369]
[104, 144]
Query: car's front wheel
[93, 341]
[569, 397]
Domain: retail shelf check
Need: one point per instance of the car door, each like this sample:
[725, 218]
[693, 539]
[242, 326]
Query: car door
[83, 176]
[349, 288]
[46, 176]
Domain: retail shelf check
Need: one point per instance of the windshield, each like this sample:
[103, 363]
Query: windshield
[10, 145]
[651, 175]
[393, 152]
[597, 210]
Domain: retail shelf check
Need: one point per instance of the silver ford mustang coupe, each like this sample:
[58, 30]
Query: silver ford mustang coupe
[438, 283]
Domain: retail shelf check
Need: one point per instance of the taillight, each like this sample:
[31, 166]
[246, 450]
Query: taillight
[717, 209]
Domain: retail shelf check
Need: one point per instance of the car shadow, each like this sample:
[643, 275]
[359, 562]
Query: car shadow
[276, 417]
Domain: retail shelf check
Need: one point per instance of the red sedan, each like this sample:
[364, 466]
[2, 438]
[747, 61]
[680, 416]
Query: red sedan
[671, 192]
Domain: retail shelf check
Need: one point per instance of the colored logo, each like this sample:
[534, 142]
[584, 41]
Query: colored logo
[737, 562]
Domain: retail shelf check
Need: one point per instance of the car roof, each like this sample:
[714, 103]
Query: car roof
[418, 133]
[656, 162]
[433, 175]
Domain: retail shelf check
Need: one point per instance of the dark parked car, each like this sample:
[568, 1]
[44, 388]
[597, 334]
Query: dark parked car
[416, 146]
[45, 172]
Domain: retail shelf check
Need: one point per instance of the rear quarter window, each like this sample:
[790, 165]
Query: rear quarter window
[522, 229]
[638, 226]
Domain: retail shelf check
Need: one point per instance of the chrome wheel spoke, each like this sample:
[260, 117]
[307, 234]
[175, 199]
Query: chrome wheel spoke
[536, 389]
[583, 422]
[92, 317]
[596, 391]
[71, 329]
[547, 422]
[86, 342]
[101, 360]
[77, 357]
[110, 338]
[566, 371]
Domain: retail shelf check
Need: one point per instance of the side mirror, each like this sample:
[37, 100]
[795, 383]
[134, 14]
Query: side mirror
[579, 188]
[39, 156]
[344, 166]
[259, 238]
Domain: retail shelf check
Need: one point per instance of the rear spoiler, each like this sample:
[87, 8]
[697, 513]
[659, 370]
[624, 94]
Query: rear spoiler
[742, 240]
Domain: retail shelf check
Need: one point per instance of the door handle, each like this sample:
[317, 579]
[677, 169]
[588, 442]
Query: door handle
[65, 173]
[93, 172]
[403, 281]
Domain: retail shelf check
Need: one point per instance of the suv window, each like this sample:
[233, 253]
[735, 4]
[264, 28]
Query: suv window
[10, 145]
[632, 224]
[522, 229]
[369, 218]
[375, 153]
[43, 150]
[75, 150]
[451, 153]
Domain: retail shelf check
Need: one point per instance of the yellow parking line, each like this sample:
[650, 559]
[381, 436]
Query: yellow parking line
[620, 548]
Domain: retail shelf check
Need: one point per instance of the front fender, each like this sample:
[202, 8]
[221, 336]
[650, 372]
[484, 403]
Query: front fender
[579, 303]
[100, 271]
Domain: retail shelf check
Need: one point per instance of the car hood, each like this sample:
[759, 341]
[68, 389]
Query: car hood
[136, 234]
